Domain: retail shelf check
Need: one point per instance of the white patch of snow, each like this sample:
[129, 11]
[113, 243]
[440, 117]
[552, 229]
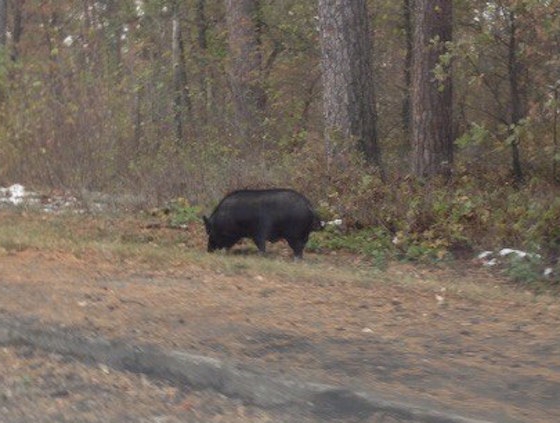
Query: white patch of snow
[18, 195]
[484, 255]
[14, 194]
[521, 254]
[507, 251]
[335, 222]
[68, 41]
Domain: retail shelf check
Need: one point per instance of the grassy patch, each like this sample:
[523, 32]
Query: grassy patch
[361, 257]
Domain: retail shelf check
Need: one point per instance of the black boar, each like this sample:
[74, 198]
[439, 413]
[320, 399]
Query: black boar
[262, 215]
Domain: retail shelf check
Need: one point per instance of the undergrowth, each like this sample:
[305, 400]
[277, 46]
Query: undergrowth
[407, 219]
[397, 218]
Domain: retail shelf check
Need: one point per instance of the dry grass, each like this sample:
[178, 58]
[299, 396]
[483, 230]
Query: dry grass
[142, 240]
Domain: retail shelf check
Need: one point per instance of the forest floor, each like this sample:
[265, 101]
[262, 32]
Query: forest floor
[454, 337]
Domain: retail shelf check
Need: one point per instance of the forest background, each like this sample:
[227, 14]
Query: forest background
[429, 126]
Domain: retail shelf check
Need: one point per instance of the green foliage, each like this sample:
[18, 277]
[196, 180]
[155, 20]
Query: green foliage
[182, 212]
[524, 270]
[545, 228]
[374, 243]
[476, 135]
[434, 221]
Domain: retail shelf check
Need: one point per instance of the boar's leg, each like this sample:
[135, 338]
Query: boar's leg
[260, 242]
[297, 245]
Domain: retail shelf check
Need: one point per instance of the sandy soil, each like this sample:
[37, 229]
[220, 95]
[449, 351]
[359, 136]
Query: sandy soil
[490, 356]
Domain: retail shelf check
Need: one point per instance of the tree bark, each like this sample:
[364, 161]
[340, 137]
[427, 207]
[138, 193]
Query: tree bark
[181, 100]
[348, 92]
[245, 67]
[201, 24]
[517, 99]
[408, 31]
[3, 21]
[17, 7]
[431, 97]
[555, 176]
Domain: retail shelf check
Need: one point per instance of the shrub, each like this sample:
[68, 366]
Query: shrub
[374, 243]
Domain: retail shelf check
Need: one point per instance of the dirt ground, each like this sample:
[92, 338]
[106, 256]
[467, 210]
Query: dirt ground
[48, 388]
[492, 351]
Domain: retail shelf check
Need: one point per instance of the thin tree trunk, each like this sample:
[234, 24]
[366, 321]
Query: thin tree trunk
[408, 30]
[245, 67]
[203, 78]
[3, 29]
[202, 24]
[431, 99]
[3, 22]
[516, 97]
[17, 7]
[113, 34]
[181, 102]
[555, 176]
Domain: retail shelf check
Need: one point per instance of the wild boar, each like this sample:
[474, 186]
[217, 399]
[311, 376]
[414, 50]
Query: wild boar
[262, 215]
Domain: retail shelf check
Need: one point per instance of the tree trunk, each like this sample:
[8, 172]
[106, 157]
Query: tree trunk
[348, 92]
[202, 24]
[204, 70]
[181, 100]
[245, 67]
[555, 176]
[3, 22]
[408, 31]
[113, 34]
[431, 97]
[17, 7]
[517, 99]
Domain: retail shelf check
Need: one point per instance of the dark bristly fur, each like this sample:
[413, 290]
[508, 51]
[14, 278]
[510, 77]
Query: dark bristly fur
[262, 215]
